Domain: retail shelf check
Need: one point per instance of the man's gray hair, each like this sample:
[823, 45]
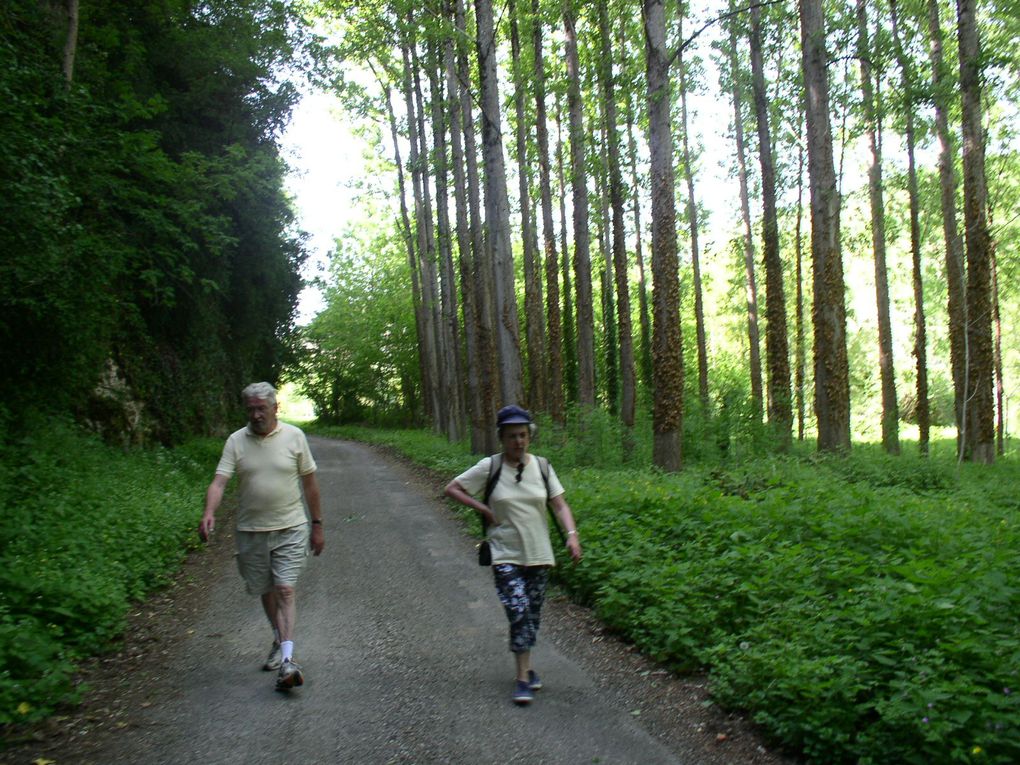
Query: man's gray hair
[261, 390]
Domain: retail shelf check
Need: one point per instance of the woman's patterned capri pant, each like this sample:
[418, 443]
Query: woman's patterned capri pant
[521, 591]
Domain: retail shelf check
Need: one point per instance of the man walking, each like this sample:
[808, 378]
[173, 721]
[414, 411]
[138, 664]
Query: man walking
[273, 464]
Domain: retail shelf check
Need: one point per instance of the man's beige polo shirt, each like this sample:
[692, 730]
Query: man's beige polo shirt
[269, 469]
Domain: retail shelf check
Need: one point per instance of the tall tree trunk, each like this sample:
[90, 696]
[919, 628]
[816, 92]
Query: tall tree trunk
[692, 220]
[979, 433]
[71, 43]
[554, 346]
[497, 216]
[427, 253]
[1000, 408]
[667, 347]
[569, 335]
[645, 343]
[430, 393]
[832, 373]
[449, 335]
[620, 270]
[955, 266]
[798, 242]
[610, 344]
[469, 298]
[405, 228]
[610, 341]
[582, 247]
[920, 330]
[750, 282]
[534, 321]
[481, 258]
[777, 343]
[645, 318]
[890, 407]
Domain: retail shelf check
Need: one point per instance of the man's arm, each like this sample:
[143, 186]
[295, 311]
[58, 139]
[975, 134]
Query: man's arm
[213, 498]
[310, 484]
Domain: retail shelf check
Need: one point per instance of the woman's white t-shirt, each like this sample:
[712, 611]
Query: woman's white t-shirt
[521, 535]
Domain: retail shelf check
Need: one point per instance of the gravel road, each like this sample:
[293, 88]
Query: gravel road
[404, 647]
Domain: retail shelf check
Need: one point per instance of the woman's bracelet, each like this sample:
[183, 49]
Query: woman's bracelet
[572, 532]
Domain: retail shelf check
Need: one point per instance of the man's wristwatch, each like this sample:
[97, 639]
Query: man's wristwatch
[317, 521]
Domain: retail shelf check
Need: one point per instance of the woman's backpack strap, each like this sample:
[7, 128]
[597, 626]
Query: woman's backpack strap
[495, 467]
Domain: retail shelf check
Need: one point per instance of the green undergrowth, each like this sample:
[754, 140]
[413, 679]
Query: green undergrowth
[859, 609]
[85, 530]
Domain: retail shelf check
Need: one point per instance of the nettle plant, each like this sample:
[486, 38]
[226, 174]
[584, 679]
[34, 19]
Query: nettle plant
[88, 530]
[855, 623]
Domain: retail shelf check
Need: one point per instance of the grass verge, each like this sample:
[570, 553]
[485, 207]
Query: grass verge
[86, 530]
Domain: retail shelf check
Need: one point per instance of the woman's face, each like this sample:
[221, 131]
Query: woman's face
[515, 439]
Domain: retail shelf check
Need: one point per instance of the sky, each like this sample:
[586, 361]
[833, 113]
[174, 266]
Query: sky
[324, 158]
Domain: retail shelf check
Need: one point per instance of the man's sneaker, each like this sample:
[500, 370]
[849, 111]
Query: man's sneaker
[534, 681]
[522, 693]
[274, 659]
[290, 676]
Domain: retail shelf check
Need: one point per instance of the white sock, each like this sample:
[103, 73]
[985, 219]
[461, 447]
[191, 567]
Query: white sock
[287, 646]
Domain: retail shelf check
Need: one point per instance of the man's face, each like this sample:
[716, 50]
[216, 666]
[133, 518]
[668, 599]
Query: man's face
[261, 415]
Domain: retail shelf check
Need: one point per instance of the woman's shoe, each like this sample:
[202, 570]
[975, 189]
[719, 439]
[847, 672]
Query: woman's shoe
[534, 681]
[522, 693]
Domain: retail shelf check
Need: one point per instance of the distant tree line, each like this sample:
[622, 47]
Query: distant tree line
[149, 259]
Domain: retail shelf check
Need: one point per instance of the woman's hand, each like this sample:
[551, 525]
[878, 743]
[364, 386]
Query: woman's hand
[574, 547]
[457, 492]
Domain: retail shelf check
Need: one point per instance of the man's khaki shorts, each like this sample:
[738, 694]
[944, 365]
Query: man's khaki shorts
[269, 558]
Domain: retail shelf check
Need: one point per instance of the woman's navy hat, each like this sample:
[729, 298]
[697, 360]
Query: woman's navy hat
[512, 415]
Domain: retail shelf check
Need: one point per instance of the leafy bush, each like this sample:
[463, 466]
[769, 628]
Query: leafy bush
[86, 530]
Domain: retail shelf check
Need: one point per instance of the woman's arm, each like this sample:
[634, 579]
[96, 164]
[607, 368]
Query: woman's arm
[566, 519]
[457, 492]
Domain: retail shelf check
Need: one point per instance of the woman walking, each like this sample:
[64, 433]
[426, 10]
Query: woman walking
[518, 533]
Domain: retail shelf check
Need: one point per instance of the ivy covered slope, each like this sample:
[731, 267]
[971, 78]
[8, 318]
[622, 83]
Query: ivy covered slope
[147, 241]
[860, 609]
[87, 530]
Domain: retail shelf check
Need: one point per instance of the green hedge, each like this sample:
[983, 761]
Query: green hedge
[86, 530]
[860, 610]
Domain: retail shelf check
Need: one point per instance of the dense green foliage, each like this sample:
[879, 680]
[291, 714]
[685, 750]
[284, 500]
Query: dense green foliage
[145, 233]
[87, 530]
[359, 354]
[860, 610]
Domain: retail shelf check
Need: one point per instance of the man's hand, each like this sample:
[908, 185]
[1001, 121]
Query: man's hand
[311, 490]
[206, 527]
[213, 497]
[318, 539]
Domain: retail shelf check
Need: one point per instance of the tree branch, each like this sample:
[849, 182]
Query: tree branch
[729, 14]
